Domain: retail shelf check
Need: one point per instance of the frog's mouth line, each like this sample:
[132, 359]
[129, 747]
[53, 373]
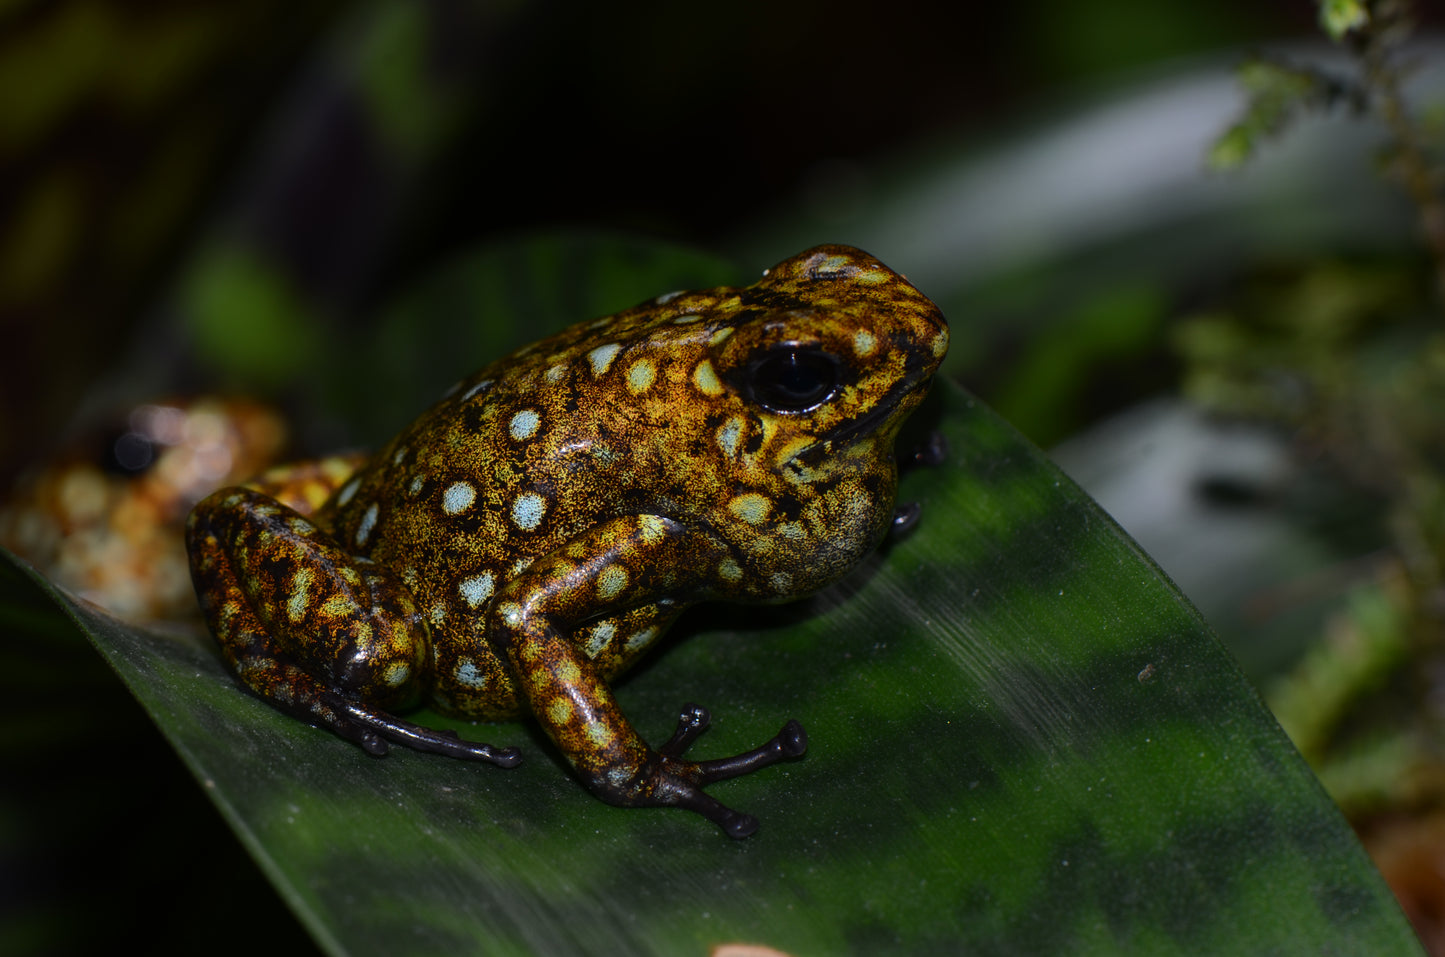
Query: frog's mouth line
[871, 421]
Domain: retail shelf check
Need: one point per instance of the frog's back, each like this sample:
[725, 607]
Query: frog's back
[522, 456]
[648, 411]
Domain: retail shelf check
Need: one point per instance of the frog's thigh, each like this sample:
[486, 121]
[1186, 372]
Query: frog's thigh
[295, 615]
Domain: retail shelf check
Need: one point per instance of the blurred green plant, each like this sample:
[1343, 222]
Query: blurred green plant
[1374, 32]
[1350, 359]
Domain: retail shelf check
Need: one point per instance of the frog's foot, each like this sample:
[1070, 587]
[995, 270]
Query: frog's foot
[378, 727]
[684, 788]
[905, 517]
[928, 454]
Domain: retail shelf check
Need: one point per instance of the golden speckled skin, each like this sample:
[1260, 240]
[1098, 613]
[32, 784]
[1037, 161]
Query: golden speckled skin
[532, 534]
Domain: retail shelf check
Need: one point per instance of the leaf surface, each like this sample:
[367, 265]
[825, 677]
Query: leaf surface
[1022, 740]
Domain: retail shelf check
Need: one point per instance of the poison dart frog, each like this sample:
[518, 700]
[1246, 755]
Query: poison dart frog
[102, 515]
[528, 538]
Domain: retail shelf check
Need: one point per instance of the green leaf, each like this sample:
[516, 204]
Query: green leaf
[241, 305]
[1022, 740]
[1339, 17]
[1232, 149]
[1278, 92]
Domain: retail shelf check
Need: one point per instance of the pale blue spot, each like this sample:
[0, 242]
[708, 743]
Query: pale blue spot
[641, 375]
[348, 490]
[601, 357]
[599, 638]
[477, 589]
[524, 424]
[527, 510]
[458, 497]
[468, 674]
[640, 639]
[368, 522]
[728, 434]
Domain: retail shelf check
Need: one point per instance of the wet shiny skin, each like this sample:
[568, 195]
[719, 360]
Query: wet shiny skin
[527, 539]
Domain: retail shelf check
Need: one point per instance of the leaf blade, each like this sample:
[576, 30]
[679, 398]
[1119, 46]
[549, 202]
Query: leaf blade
[1023, 740]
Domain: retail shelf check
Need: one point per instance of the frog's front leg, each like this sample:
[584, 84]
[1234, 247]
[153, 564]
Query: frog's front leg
[626, 562]
[316, 632]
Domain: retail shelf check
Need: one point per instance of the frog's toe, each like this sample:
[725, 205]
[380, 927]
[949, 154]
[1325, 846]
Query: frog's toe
[793, 739]
[790, 742]
[735, 824]
[739, 826]
[680, 792]
[372, 743]
[329, 710]
[930, 453]
[680, 783]
[692, 721]
[419, 738]
[905, 517]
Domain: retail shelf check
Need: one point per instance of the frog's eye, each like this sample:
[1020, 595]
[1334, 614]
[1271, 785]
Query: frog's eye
[790, 379]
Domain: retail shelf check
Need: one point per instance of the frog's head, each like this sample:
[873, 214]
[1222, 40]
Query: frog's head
[825, 358]
[835, 353]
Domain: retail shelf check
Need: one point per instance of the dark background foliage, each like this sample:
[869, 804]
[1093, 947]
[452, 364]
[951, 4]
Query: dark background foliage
[129, 120]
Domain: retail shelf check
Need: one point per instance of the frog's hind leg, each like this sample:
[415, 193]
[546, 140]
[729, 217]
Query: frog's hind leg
[312, 630]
